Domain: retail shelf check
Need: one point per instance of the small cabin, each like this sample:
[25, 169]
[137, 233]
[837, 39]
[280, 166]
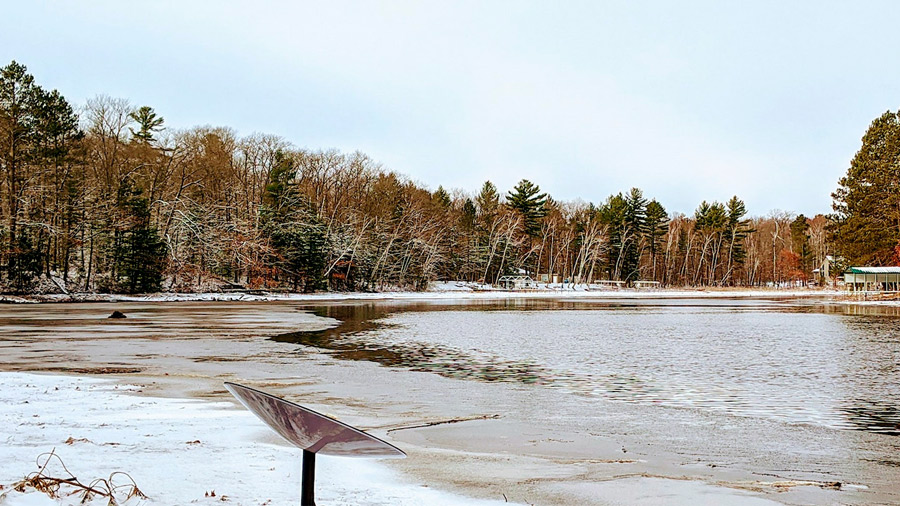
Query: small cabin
[516, 283]
[872, 279]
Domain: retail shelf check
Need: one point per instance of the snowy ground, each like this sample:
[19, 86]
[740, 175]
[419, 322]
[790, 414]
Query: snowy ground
[178, 451]
[449, 290]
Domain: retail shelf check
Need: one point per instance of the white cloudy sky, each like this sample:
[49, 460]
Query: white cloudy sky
[686, 100]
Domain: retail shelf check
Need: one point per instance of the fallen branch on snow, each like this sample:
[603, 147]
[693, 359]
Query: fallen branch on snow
[53, 486]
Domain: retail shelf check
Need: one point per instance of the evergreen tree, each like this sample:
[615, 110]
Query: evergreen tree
[866, 223]
[38, 131]
[712, 221]
[612, 215]
[298, 236]
[442, 198]
[626, 219]
[148, 122]
[657, 227]
[736, 233]
[800, 244]
[488, 202]
[488, 254]
[139, 253]
[526, 198]
[636, 226]
[59, 151]
[18, 136]
[469, 214]
[467, 241]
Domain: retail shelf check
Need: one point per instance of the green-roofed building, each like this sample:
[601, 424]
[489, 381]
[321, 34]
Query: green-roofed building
[872, 279]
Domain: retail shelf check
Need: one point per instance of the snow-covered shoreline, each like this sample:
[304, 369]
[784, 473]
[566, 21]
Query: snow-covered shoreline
[445, 291]
[178, 451]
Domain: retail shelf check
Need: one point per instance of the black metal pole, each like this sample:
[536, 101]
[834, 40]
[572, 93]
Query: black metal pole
[307, 487]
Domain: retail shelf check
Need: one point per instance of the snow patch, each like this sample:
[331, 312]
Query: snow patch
[176, 450]
[455, 290]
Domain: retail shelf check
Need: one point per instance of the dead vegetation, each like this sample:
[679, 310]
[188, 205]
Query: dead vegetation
[784, 485]
[71, 441]
[118, 487]
[442, 422]
[96, 370]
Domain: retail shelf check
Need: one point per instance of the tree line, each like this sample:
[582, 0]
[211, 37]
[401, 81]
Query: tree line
[105, 198]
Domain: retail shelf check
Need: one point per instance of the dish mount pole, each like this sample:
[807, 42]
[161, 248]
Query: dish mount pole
[307, 486]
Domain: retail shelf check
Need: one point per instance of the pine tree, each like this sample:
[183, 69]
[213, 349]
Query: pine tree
[488, 254]
[298, 236]
[63, 191]
[712, 221]
[866, 223]
[148, 122]
[625, 217]
[469, 214]
[612, 215]
[38, 131]
[138, 251]
[526, 198]
[18, 134]
[442, 198]
[488, 202]
[657, 227]
[636, 226]
[800, 244]
[736, 233]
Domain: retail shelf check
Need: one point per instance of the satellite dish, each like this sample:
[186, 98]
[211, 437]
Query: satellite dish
[312, 432]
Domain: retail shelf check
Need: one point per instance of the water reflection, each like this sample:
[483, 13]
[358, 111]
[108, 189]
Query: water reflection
[785, 360]
[874, 417]
[358, 319]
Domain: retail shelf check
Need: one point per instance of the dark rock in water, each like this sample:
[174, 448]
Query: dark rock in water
[117, 314]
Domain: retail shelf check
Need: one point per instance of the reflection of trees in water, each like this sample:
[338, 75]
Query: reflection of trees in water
[357, 319]
[352, 318]
[862, 310]
[871, 371]
[878, 417]
[351, 339]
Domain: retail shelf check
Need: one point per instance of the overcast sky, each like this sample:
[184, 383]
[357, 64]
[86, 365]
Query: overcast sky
[686, 100]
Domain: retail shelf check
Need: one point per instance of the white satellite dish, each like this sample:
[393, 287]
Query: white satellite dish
[312, 432]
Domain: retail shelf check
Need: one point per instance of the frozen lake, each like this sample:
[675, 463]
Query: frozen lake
[563, 399]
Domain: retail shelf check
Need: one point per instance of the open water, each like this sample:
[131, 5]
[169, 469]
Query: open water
[788, 361]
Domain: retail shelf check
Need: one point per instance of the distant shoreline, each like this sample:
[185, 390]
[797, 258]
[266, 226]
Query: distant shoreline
[437, 294]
